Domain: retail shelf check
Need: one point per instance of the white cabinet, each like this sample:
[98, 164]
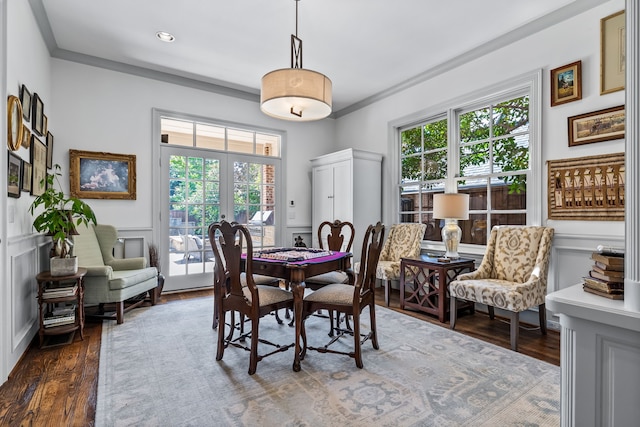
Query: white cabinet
[346, 185]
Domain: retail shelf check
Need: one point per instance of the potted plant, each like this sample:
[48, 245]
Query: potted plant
[58, 219]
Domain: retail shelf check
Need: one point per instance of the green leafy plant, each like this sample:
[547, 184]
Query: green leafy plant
[60, 213]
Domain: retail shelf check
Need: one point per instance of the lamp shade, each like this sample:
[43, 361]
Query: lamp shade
[296, 94]
[451, 206]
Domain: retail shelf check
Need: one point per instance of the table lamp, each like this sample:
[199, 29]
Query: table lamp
[451, 207]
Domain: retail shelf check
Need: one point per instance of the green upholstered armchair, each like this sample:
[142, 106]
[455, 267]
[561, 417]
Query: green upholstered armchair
[111, 280]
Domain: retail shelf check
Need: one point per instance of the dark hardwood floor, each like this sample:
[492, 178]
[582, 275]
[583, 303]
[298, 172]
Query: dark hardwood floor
[58, 386]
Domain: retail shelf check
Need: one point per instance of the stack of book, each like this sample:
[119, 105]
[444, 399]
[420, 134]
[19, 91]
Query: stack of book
[65, 290]
[606, 277]
[65, 318]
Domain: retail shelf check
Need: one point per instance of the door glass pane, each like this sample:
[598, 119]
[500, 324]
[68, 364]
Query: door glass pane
[176, 132]
[240, 141]
[194, 194]
[268, 145]
[208, 136]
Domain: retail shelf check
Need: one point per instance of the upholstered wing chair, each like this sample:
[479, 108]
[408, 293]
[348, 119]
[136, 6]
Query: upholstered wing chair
[403, 241]
[108, 279]
[512, 275]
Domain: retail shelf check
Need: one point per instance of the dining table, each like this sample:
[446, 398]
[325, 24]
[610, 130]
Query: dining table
[293, 265]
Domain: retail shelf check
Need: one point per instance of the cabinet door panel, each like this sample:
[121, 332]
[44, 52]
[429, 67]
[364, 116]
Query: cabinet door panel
[342, 192]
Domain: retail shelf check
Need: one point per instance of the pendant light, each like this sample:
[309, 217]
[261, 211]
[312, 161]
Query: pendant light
[295, 93]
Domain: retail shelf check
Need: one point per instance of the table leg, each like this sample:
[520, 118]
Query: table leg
[402, 279]
[297, 288]
[442, 296]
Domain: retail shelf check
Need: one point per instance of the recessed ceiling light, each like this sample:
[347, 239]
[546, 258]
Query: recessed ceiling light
[165, 37]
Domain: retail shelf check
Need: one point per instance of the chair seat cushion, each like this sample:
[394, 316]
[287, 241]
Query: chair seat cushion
[260, 280]
[498, 293]
[328, 278]
[388, 270]
[336, 293]
[122, 279]
[269, 295]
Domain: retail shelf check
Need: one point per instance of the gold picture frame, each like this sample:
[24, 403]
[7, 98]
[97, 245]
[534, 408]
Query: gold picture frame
[597, 126]
[566, 83]
[612, 53]
[99, 175]
[587, 188]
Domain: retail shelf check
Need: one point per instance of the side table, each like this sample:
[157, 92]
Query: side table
[60, 289]
[424, 282]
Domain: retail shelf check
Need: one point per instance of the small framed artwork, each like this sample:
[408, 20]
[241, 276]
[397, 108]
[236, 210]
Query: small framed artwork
[38, 166]
[14, 173]
[566, 83]
[26, 176]
[601, 125]
[45, 124]
[49, 150]
[612, 53]
[25, 99]
[38, 114]
[26, 137]
[95, 175]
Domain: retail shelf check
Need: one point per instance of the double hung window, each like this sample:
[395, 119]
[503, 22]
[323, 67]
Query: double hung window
[483, 148]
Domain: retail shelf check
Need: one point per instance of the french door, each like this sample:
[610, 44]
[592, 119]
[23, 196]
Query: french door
[200, 187]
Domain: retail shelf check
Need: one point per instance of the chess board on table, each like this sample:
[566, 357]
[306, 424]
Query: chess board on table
[291, 254]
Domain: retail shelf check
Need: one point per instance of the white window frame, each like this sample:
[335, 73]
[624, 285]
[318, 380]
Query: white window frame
[529, 83]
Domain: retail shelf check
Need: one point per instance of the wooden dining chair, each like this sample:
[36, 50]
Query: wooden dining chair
[334, 234]
[350, 300]
[238, 292]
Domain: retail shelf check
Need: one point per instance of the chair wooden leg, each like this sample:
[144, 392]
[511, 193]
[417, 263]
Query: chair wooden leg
[492, 312]
[120, 312]
[515, 330]
[374, 331]
[153, 295]
[542, 313]
[356, 340]
[221, 326]
[453, 312]
[387, 287]
[253, 358]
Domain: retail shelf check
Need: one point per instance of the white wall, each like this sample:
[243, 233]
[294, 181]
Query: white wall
[103, 110]
[573, 40]
[27, 62]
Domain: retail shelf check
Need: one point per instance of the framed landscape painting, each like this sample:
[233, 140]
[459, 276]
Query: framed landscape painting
[601, 125]
[97, 175]
[566, 83]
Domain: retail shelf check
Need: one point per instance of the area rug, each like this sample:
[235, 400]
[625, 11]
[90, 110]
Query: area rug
[158, 368]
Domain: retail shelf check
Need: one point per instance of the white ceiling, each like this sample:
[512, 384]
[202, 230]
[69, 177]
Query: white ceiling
[368, 48]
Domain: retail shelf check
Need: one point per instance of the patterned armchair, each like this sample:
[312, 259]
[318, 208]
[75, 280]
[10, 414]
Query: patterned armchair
[512, 275]
[403, 242]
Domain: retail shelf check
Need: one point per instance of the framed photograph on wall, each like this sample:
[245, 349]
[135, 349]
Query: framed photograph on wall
[26, 137]
[95, 175]
[612, 53]
[38, 166]
[49, 150]
[601, 125]
[38, 114]
[14, 174]
[566, 83]
[26, 176]
[25, 100]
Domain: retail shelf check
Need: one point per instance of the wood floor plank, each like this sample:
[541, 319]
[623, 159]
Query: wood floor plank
[58, 386]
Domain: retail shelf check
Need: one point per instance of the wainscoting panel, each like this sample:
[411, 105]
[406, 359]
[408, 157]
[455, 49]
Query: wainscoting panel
[619, 381]
[23, 295]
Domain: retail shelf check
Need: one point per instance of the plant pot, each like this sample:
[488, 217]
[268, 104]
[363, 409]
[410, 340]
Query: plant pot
[63, 266]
